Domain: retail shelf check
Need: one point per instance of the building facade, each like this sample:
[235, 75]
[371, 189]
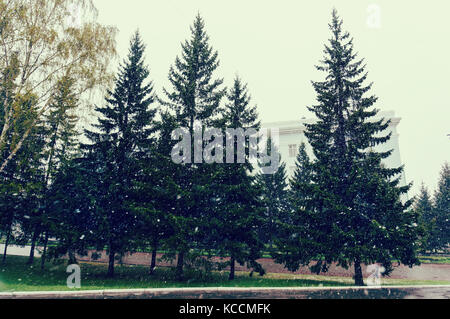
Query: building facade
[292, 135]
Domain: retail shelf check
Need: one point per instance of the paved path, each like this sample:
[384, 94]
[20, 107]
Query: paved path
[394, 292]
[19, 251]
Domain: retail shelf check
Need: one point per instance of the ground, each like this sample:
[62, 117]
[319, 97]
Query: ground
[15, 275]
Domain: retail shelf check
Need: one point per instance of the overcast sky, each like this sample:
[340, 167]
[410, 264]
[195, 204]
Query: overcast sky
[274, 45]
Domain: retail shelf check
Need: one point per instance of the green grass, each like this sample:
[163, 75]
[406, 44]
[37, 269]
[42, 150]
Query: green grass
[15, 275]
[434, 259]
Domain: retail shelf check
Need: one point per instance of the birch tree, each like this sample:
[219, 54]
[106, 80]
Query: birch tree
[46, 40]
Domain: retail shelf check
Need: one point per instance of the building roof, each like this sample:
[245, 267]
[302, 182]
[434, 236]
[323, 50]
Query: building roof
[291, 127]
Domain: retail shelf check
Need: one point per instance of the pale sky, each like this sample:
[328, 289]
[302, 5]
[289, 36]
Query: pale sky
[274, 45]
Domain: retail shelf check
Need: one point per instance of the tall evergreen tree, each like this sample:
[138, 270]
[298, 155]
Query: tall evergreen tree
[424, 207]
[239, 211]
[441, 233]
[301, 180]
[61, 122]
[9, 186]
[25, 174]
[156, 190]
[424, 204]
[356, 214]
[74, 214]
[296, 234]
[195, 96]
[22, 181]
[123, 134]
[62, 145]
[275, 200]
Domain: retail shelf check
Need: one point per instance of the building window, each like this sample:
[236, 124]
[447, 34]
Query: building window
[293, 150]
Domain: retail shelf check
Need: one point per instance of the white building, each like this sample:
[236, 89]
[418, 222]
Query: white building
[292, 134]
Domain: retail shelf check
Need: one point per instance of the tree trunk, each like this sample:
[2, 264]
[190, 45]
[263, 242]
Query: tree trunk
[44, 253]
[112, 255]
[358, 273]
[180, 263]
[8, 237]
[232, 268]
[153, 262]
[33, 246]
[72, 258]
[22, 139]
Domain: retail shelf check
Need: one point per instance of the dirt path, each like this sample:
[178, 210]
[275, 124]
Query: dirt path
[439, 272]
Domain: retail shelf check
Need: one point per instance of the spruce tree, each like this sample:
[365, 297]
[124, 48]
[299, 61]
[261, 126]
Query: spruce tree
[295, 245]
[441, 233]
[356, 214]
[239, 211]
[9, 185]
[424, 207]
[195, 96]
[62, 144]
[22, 180]
[275, 200]
[300, 182]
[74, 213]
[21, 187]
[156, 190]
[27, 171]
[61, 122]
[123, 134]
[424, 204]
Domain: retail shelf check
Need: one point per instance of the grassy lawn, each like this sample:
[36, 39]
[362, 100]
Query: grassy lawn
[17, 276]
[434, 259]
